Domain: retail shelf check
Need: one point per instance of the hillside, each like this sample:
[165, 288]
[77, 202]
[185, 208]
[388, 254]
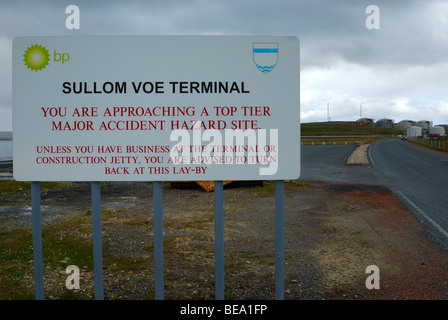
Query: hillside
[342, 128]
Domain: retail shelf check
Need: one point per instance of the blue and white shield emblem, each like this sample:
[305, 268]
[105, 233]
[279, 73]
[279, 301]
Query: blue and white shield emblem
[265, 56]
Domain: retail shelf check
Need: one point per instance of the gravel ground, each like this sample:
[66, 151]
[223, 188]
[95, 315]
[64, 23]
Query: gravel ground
[333, 232]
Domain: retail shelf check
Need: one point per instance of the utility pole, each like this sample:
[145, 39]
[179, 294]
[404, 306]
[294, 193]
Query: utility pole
[360, 110]
[328, 111]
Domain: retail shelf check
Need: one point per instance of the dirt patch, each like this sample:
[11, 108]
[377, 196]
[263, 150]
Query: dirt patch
[367, 225]
[333, 232]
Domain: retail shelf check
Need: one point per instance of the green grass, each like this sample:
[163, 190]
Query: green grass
[60, 246]
[139, 222]
[13, 186]
[57, 246]
[348, 141]
[342, 128]
[16, 246]
[343, 132]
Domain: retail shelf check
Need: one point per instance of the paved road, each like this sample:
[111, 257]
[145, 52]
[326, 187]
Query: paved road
[419, 178]
[327, 163]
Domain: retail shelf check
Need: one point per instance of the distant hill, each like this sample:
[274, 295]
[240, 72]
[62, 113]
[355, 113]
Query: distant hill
[341, 128]
[5, 135]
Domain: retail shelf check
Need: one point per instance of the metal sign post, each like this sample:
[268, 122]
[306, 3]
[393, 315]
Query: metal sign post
[37, 241]
[158, 239]
[97, 241]
[279, 239]
[219, 241]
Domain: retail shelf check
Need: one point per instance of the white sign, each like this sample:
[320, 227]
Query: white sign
[156, 108]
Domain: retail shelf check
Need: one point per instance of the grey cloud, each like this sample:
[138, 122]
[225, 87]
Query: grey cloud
[402, 64]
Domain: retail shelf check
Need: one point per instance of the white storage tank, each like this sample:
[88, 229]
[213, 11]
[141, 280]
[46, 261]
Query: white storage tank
[414, 131]
[405, 124]
[425, 124]
[437, 129]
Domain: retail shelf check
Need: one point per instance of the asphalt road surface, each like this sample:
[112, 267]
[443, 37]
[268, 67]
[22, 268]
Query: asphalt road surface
[418, 177]
[327, 163]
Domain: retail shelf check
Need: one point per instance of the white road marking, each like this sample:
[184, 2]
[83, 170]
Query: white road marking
[425, 215]
[370, 157]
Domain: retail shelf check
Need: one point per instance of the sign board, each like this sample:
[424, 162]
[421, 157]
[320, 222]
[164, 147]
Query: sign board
[156, 108]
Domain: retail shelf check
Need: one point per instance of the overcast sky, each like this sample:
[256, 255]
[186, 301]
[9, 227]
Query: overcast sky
[398, 71]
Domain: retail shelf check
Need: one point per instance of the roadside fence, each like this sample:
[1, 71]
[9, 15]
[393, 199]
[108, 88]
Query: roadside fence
[430, 143]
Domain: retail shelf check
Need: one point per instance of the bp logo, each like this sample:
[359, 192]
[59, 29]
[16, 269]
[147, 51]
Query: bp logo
[36, 57]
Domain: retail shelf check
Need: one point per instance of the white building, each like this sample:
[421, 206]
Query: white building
[424, 124]
[437, 129]
[404, 124]
[414, 131]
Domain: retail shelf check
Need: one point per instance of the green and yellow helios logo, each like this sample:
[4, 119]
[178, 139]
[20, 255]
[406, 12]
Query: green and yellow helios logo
[37, 57]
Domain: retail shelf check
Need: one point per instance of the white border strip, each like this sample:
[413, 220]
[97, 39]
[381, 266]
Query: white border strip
[424, 215]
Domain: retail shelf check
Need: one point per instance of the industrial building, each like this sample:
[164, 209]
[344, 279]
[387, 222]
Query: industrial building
[424, 124]
[437, 130]
[445, 126]
[385, 123]
[365, 122]
[414, 131]
[405, 124]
